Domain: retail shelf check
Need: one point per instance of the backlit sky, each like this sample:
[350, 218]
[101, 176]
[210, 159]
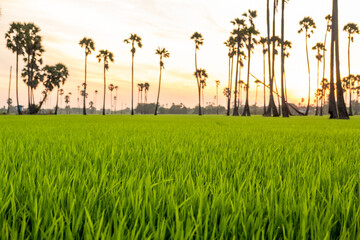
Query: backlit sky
[166, 23]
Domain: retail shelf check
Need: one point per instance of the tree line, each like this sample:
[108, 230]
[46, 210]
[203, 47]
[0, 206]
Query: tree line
[25, 41]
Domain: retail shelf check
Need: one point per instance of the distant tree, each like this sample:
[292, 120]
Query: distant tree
[319, 47]
[199, 41]
[257, 82]
[116, 97]
[8, 110]
[217, 82]
[163, 53]
[95, 96]
[59, 76]
[351, 29]
[307, 25]
[238, 34]
[89, 46]
[202, 75]
[146, 88]
[133, 40]
[111, 88]
[325, 86]
[249, 32]
[106, 57]
[230, 43]
[61, 92]
[15, 42]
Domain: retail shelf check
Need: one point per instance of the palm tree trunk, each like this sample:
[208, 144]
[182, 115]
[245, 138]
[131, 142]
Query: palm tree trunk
[132, 85]
[229, 86]
[264, 63]
[308, 63]
[246, 111]
[272, 107]
[57, 101]
[84, 107]
[339, 91]
[285, 110]
[317, 87]
[236, 108]
[8, 110]
[332, 103]
[28, 72]
[105, 89]
[17, 83]
[350, 108]
[198, 82]
[324, 67]
[158, 95]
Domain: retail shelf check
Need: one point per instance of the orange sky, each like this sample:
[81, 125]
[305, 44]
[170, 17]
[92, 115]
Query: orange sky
[165, 23]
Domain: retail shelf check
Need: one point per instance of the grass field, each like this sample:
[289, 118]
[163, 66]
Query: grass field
[179, 177]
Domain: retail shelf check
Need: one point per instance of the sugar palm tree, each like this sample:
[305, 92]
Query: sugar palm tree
[107, 57]
[351, 29]
[15, 42]
[60, 75]
[217, 82]
[263, 41]
[250, 32]
[111, 88]
[116, 97]
[338, 111]
[95, 96]
[163, 53]
[199, 41]
[9, 101]
[328, 19]
[257, 82]
[61, 92]
[230, 44]
[307, 25]
[202, 75]
[324, 86]
[238, 34]
[89, 46]
[319, 47]
[133, 40]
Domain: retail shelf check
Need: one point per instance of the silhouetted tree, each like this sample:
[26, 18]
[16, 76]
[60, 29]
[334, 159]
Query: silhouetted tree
[263, 41]
[15, 42]
[202, 76]
[163, 53]
[230, 43]
[59, 75]
[199, 41]
[106, 57]
[307, 26]
[133, 40]
[319, 47]
[89, 46]
[351, 29]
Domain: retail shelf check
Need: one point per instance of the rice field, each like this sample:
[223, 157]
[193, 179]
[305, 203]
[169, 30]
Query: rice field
[179, 177]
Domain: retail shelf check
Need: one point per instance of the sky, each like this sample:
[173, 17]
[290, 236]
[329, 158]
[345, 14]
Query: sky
[169, 24]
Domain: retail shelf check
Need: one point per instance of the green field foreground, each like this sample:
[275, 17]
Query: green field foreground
[179, 177]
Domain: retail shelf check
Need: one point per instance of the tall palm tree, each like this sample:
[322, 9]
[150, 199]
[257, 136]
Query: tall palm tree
[319, 47]
[230, 43]
[107, 57]
[257, 82]
[199, 41]
[338, 111]
[133, 40]
[163, 53]
[238, 33]
[61, 73]
[324, 87]
[61, 92]
[15, 42]
[307, 25]
[89, 46]
[351, 29]
[263, 41]
[328, 19]
[111, 88]
[285, 109]
[250, 32]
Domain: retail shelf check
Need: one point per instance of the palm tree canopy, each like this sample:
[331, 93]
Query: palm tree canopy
[15, 38]
[106, 56]
[53, 76]
[89, 45]
[146, 86]
[111, 87]
[163, 53]
[198, 39]
[201, 74]
[134, 39]
[307, 24]
[351, 29]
